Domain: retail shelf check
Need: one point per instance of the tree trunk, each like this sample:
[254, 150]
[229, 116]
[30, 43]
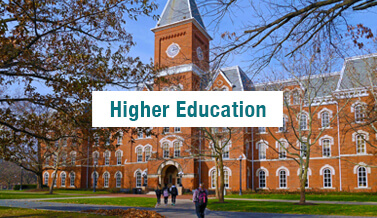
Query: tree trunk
[302, 192]
[53, 179]
[39, 180]
[217, 178]
[221, 169]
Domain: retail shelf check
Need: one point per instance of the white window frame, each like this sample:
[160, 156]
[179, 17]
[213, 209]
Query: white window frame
[177, 129]
[325, 184]
[107, 158]
[283, 183]
[118, 155]
[118, 179]
[177, 149]
[138, 180]
[262, 178]
[139, 154]
[72, 177]
[165, 150]
[106, 177]
[325, 120]
[358, 177]
[63, 179]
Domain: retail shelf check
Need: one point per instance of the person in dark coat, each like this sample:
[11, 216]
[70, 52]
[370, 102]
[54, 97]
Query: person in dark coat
[174, 193]
[158, 194]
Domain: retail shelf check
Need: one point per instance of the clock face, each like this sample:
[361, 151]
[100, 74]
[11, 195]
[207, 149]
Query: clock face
[173, 50]
[200, 54]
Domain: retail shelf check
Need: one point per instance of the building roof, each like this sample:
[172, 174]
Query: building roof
[239, 80]
[357, 72]
[180, 10]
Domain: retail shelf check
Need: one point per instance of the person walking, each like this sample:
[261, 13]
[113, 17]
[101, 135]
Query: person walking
[200, 198]
[174, 193]
[165, 193]
[158, 194]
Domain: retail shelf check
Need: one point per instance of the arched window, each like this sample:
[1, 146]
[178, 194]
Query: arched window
[282, 151]
[120, 138]
[73, 158]
[106, 176]
[262, 150]
[326, 147]
[119, 157]
[213, 179]
[107, 158]
[360, 144]
[262, 179]
[165, 147]
[96, 140]
[362, 177]
[45, 176]
[226, 178]
[62, 179]
[327, 180]
[359, 113]
[139, 152]
[72, 179]
[177, 149]
[296, 97]
[147, 153]
[282, 179]
[138, 179]
[95, 158]
[118, 179]
[303, 122]
[325, 119]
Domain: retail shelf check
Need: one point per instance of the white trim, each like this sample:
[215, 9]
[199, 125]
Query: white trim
[325, 110]
[361, 164]
[260, 169]
[138, 170]
[283, 168]
[261, 141]
[360, 132]
[327, 166]
[326, 137]
[139, 146]
[121, 174]
[97, 175]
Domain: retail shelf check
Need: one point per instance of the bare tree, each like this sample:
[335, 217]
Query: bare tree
[311, 87]
[282, 27]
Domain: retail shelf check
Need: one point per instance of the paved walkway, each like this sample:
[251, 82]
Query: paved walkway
[184, 208]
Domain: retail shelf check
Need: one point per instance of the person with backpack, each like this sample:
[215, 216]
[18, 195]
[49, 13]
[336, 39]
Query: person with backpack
[165, 193]
[174, 193]
[200, 198]
[158, 194]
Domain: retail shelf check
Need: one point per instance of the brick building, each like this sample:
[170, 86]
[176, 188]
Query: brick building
[338, 160]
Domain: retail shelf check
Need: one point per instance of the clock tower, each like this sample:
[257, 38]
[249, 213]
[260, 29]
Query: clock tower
[181, 45]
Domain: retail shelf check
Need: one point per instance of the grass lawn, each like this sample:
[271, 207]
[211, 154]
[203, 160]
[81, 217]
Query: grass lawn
[289, 208]
[120, 201]
[21, 212]
[336, 196]
[26, 195]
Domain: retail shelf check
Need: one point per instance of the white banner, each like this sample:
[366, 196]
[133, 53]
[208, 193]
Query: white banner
[187, 109]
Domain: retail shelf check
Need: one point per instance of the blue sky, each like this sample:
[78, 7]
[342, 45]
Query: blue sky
[145, 38]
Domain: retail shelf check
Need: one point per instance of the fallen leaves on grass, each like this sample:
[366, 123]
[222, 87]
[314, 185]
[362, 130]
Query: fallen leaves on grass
[129, 213]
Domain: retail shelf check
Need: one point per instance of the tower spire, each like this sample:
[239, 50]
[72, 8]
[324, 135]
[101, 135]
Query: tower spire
[177, 11]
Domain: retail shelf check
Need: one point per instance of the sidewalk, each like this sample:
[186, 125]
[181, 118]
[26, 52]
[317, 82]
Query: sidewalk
[184, 208]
